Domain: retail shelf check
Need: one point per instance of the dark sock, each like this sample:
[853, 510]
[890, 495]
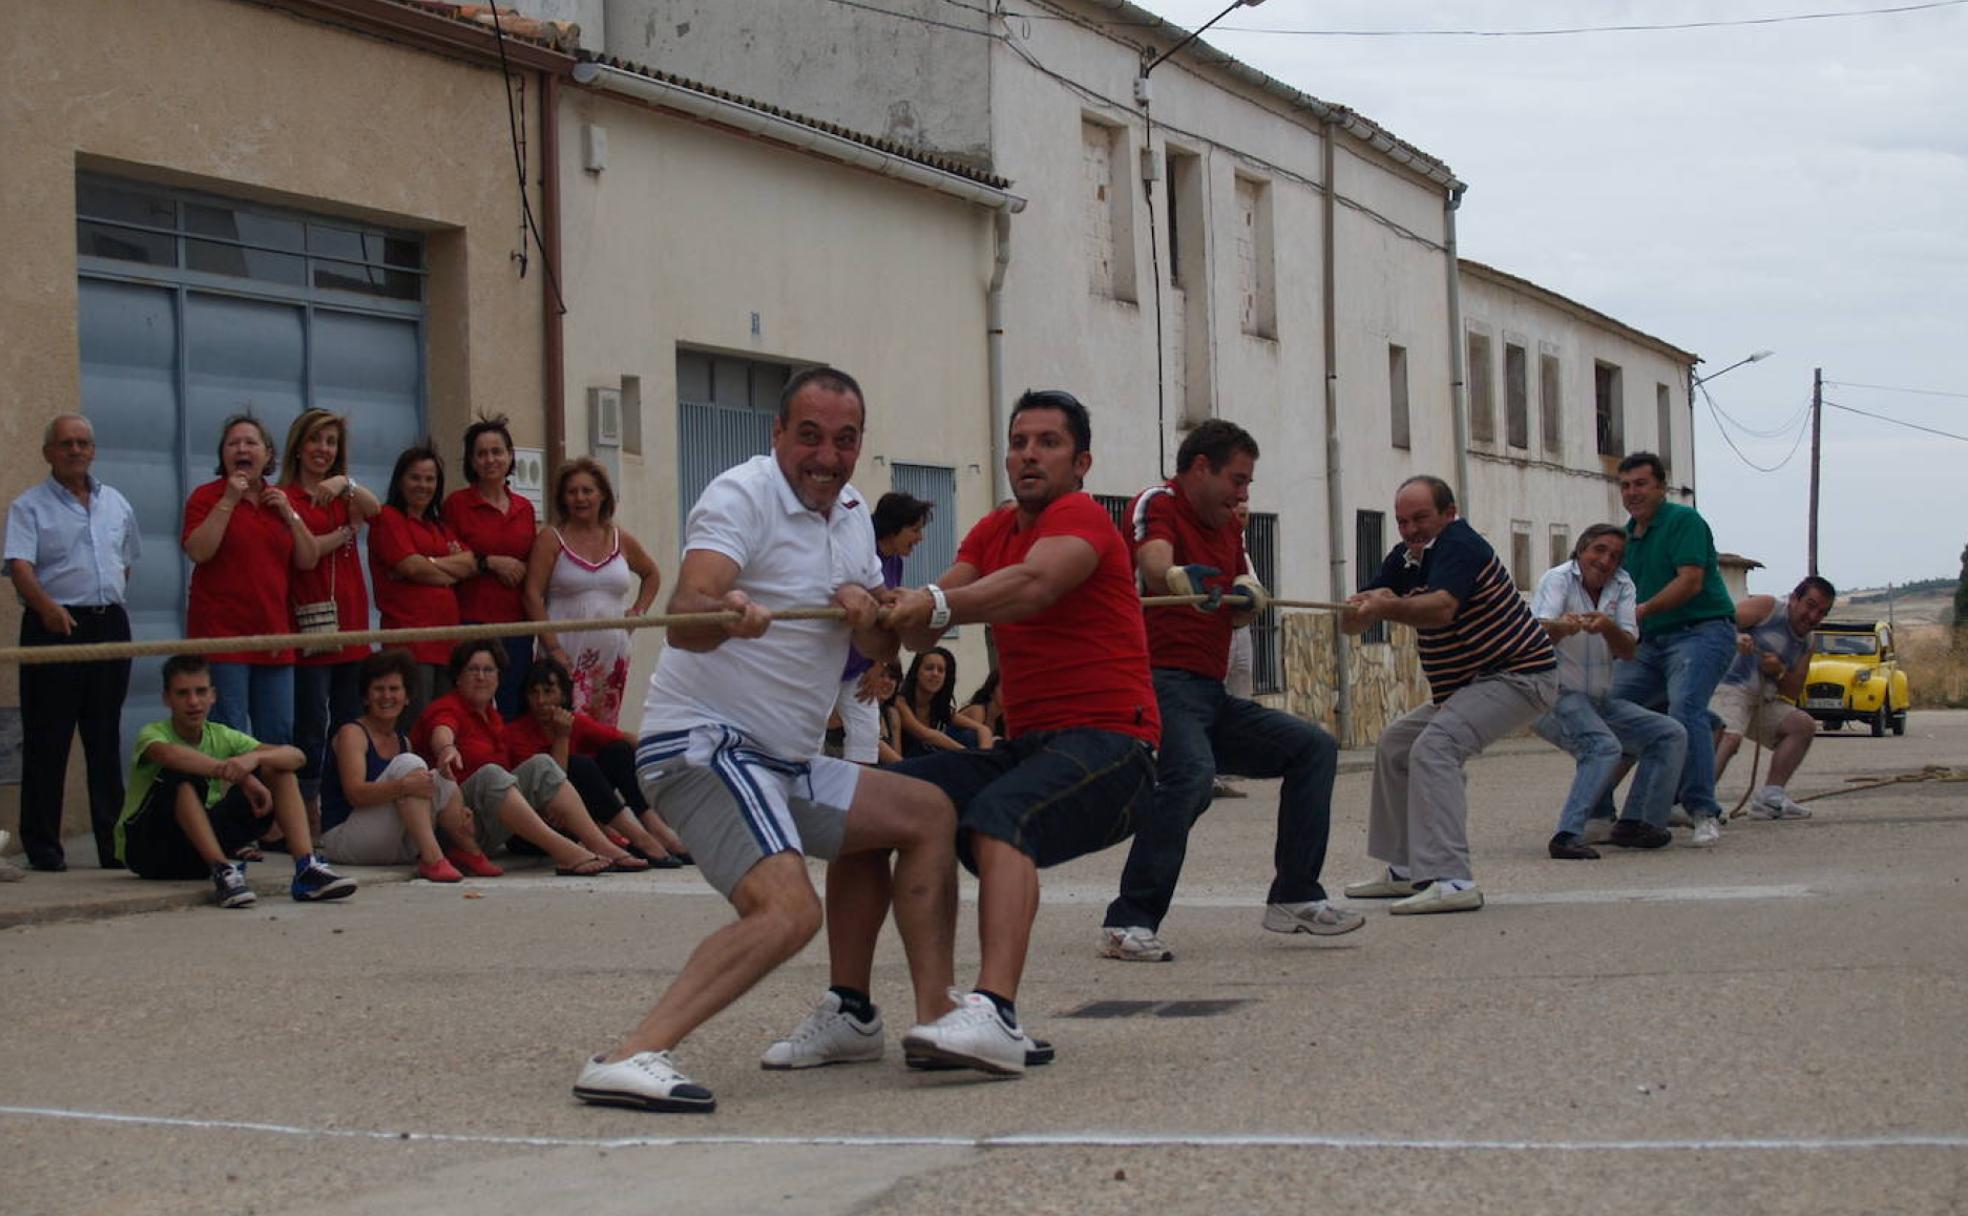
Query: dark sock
[854, 1003]
[1006, 1010]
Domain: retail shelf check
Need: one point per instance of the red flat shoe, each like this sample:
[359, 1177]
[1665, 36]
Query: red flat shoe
[478, 865]
[440, 870]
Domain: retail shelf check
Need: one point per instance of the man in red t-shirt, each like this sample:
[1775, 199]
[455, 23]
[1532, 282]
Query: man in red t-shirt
[1051, 574]
[1187, 539]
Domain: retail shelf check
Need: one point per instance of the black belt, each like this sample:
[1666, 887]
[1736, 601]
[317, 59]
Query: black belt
[91, 609]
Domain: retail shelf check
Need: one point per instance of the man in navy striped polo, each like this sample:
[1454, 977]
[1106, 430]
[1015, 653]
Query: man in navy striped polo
[1491, 670]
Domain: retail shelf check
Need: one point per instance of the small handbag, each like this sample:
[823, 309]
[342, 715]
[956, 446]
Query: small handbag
[320, 616]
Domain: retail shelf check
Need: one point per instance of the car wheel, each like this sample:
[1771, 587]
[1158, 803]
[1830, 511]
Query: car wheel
[1879, 718]
[1899, 722]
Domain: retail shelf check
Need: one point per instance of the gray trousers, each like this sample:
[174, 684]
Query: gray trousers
[1420, 818]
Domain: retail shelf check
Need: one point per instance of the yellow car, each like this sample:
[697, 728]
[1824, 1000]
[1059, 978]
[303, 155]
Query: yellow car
[1855, 676]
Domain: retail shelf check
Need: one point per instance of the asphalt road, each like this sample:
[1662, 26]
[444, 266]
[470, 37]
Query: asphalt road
[1773, 1025]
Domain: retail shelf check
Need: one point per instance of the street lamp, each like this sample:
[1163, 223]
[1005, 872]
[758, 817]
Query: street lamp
[1758, 357]
[1141, 81]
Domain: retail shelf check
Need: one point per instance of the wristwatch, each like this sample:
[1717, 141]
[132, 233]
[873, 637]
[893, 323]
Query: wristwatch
[940, 617]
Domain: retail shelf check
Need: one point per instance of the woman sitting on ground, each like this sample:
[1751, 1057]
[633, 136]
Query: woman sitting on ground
[379, 804]
[984, 713]
[887, 684]
[599, 761]
[464, 740]
[926, 706]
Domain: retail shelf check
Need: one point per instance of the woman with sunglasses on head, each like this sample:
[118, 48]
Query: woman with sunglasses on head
[599, 761]
[498, 526]
[315, 475]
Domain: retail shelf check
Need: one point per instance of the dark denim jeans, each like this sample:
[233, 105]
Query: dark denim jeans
[1053, 794]
[325, 696]
[1206, 731]
[1678, 671]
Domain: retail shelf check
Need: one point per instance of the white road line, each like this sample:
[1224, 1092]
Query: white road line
[1029, 1139]
[1250, 898]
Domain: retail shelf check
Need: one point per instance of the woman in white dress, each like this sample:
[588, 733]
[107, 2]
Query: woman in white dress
[584, 568]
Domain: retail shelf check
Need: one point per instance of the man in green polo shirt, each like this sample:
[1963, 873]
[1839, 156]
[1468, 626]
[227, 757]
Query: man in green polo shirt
[1687, 627]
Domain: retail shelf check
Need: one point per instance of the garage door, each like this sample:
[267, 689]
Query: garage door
[193, 308]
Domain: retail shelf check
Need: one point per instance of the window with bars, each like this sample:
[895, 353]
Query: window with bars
[1267, 649]
[937, 486]
[725, 408]
[1369, 550]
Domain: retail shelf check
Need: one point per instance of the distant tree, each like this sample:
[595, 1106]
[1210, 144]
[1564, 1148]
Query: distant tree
[1961, 604]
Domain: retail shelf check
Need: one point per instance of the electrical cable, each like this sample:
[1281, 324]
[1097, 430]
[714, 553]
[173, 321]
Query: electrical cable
[1799, 442]
[519, 166]
[1912, 426]
[1776, 432]
[946, 25]
[1556, 31]
[1890, 388]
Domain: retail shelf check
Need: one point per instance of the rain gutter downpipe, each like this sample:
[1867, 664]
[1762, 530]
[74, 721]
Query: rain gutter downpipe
[554, 339]
[1458, 382]
[1335, 498]
[994, 355]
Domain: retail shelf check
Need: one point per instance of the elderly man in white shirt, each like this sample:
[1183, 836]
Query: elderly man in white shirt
[1587, 605]
[71, 541]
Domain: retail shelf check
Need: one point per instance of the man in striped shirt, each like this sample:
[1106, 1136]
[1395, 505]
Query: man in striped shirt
[1491, 669]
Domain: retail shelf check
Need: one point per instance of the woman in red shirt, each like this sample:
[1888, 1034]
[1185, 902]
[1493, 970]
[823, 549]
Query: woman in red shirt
[498, 525]
[415, 563]
[463, 738]
[327, 684]
[599, 761]
[242, 535]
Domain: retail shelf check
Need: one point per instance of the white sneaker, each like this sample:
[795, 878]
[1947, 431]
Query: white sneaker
[1708, 830]
[1316, 917]
[1438, 898]
[1771, 802]
[827, 1036]
[972, 1035]
[1134, 944]
[646, 1080]
[1597, 831]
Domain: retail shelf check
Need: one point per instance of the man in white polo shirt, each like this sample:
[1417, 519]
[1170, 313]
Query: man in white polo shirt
[732, 733]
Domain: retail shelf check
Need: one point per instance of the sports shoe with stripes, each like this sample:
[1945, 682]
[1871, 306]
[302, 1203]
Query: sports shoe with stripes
[1134, 944]
[828, 1035]
[1315, 917]
[233, 891]
[317, 882]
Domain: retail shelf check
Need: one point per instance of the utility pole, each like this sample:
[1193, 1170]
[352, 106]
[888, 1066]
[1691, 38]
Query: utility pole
[1817, 426]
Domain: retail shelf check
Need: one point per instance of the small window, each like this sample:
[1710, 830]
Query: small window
[1107, 209]
[1516, 395]
[1561, 545]
[1664, 411]
[1520, 554]
[1551, 407]
[1369, 550]
[1261, 547]
[1256, 284]
[1609, 409]
[1397, 394]
[937, 486]
[1482, 391]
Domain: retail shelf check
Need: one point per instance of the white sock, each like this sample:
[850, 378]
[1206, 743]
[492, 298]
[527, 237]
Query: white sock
[1770, 793]
[1455, 884]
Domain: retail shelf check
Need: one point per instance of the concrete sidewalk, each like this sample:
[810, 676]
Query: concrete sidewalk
[85, 892]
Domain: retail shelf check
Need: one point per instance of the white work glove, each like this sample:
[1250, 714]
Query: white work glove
[1246, 594]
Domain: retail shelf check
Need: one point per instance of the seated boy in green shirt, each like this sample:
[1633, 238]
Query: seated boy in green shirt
[199, 795]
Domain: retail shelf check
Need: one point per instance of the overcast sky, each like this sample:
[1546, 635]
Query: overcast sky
[1800, 187]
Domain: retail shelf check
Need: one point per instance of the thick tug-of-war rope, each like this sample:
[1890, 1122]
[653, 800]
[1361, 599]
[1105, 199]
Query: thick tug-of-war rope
[93, 651]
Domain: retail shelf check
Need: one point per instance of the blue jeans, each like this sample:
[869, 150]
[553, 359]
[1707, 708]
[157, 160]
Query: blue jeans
[1597, 734]
[1679, 670]
[1053, 794]
[255, 698]
[324, 697]
[1205, 731]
